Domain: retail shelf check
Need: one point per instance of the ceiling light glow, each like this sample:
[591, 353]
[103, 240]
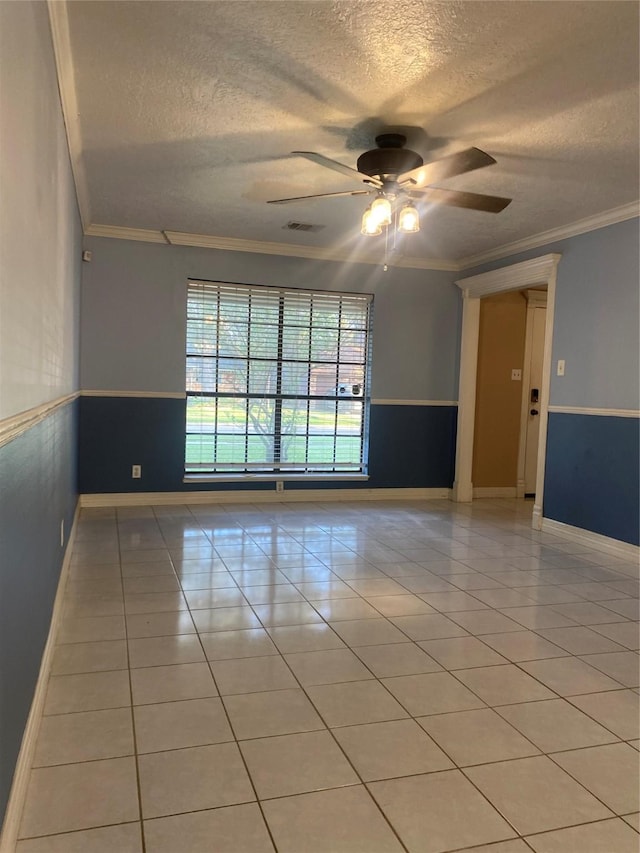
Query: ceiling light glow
[381, 210]
[370, 225]
[408, 219]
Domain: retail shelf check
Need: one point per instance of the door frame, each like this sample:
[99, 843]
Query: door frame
[520, 276]
[535, 299]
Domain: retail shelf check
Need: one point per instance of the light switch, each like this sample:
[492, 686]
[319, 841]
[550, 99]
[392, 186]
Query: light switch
[561, 367]
[516, 375]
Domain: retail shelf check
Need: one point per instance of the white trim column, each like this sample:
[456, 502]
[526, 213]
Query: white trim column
[462, 485]
[536, 521]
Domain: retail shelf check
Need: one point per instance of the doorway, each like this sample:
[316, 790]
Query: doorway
[527, 274]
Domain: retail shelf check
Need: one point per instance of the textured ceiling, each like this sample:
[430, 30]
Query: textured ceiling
[188, 112]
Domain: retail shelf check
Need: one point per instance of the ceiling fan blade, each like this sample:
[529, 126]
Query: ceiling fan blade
[447, 167]
[471, 201]
[320, 195]
[328, 163]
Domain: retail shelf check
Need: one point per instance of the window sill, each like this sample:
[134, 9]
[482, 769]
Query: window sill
[272, 478]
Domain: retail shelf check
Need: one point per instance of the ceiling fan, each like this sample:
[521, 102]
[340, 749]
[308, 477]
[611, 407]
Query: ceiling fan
[393, 173]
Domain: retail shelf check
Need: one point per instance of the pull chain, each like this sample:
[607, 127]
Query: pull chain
[385, 266]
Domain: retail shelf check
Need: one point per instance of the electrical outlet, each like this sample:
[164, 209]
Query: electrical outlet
[516, 375]
[561, 367]
[136, 472]
[279, 486]
[62, 533]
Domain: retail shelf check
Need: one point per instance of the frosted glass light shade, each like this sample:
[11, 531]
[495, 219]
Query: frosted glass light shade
[408, 219]
[381, 210]
[370, 225]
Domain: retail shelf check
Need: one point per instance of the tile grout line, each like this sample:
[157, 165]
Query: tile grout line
[352, 649]
[281, 656]
[346, 756]
[133, 722]
[327, 729]
[412, 717]
[235, 741]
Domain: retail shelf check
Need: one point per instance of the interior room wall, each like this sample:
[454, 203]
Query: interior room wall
[40, 246]
[133, 355]
[592, 469]
[503, 318]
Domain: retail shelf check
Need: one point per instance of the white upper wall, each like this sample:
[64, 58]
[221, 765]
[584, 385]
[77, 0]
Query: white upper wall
[40, 233]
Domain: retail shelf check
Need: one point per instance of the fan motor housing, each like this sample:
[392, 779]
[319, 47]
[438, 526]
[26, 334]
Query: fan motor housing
[390, 158]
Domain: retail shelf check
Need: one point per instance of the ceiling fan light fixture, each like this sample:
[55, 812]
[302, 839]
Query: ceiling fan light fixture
[409, 219]
[381, 210]
[392, 173]
[371, 226]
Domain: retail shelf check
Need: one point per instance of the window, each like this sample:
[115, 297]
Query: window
[277, 380]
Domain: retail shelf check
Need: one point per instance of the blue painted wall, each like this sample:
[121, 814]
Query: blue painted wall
[591, 477]
[596, 318]
[40, 260]
[38, 490]
[410, 447]
[133, 339]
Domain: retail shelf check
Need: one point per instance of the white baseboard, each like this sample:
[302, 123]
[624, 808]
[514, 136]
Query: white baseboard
[255, 496]
[494, 492]
[592, 540]
[15, 805]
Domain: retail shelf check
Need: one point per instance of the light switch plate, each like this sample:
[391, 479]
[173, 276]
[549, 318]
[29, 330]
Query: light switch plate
[561, 367]
[516, 375]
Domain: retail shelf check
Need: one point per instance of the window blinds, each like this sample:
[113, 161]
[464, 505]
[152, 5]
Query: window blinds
[276, 379]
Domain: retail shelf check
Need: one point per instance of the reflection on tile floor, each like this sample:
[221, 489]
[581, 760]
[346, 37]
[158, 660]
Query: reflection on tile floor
[418, 676]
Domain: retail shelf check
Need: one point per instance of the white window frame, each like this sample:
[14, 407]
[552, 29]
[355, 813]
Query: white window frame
[277, 469]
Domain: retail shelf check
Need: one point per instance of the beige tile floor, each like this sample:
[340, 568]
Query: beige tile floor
[357, 677]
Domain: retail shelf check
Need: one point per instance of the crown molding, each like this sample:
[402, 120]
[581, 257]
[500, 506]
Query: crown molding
[59, 24]
[234, 244]
[582, 226]
[140, 235]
